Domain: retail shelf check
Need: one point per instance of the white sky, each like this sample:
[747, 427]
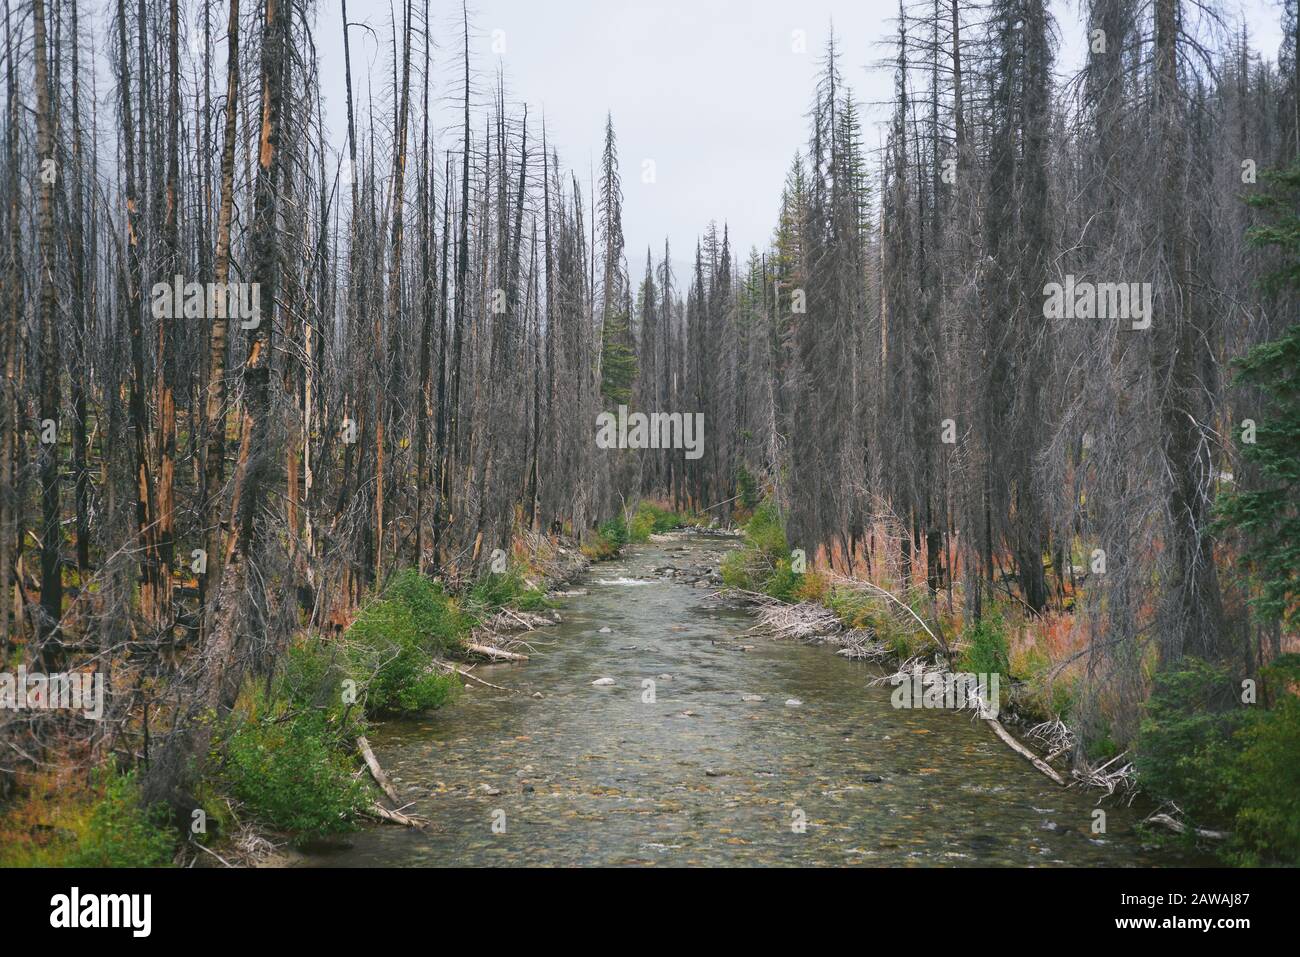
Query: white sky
[710, 90]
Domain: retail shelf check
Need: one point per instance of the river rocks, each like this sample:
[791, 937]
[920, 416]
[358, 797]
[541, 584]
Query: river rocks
[603, 682]
[665, 677]
[489, 790]
[699, 576]
[752, 697]
[606, 630]
[872, 779]
[792, 702]
[537, 694]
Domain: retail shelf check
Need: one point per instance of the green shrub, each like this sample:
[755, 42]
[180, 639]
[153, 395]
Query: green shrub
[783, 582]
[289, 770]
[1224, 764]
[122, 833]
[735, 571]
[437, 617]
[313, 675]
[498, 590]
[1264, 779]
[653, 519]
[747, 489]
[812, 587]
[987, 650]
[1182, 752]
[642, 527]
[614, 531]
[392, 661]
[763, 564]
[650, 519]
[607, 541]
[764, 532]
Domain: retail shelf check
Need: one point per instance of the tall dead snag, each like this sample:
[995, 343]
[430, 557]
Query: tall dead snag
[394, 302]
[164, 391]
[11, 308]
[1182, 350]
[427, 218]
[250, 532]
[51, 532]
[245, 584]
[442, 482]
[462, 293]
[150, 567]
[215, 414]
[80, 365]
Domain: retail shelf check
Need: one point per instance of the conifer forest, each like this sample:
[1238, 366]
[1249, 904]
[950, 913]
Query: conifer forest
[382, 483]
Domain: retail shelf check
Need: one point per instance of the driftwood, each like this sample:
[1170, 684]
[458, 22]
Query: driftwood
[1178, 827]
[376, 771]
[209, 850]
[395, 817]
[1023, 751]
[466, 673]
[1119, 777]
[496, 654]
[861, 583]
[804, 621]
[861, 645]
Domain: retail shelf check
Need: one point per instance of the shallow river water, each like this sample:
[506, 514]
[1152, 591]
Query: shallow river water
[700, 776]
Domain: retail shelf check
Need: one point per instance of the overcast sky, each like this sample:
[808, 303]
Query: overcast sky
[712, 91]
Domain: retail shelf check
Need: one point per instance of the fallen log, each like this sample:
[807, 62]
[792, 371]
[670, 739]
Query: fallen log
[376, 771]
[395, 817]
[1023, 751]
[1178, 827]
[496, 654]
[466, 673]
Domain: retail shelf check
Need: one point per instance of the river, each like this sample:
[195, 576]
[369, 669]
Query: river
[715, 764]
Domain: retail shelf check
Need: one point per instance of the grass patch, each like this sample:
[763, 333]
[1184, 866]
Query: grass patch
[763, 564]
[607, 541]
[58, 823]
[507, 589]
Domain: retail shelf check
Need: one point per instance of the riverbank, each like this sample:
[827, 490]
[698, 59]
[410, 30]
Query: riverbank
[290, 765]
[1213, 760]
[709, 745]
[501, 617]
